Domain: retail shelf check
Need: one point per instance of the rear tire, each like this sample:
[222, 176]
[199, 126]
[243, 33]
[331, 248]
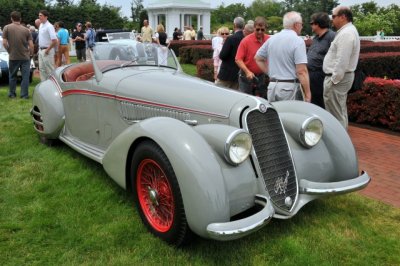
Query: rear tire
[157, 194]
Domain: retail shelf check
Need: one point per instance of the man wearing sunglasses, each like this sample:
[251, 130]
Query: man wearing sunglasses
[340, 63]
[285, 54]
[321, 42]
[251, 77]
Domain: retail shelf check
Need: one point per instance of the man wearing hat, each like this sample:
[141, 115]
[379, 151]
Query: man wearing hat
[78, 37]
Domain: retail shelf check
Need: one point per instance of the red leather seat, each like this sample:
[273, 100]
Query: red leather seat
[78, 72]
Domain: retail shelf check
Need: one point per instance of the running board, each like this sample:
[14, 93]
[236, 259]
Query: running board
[90, 151]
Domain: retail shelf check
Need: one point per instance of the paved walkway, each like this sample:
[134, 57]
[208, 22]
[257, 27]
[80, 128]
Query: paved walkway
[379, 154]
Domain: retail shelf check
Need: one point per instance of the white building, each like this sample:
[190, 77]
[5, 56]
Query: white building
[179, 13]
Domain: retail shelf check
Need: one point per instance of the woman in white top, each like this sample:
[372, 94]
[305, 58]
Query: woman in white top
[217, 43]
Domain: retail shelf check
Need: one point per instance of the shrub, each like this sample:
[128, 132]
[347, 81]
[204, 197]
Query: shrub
[191, 54]
[205, 69]
[377, 103]
[379, 47]
[381, 65]
[175, 45]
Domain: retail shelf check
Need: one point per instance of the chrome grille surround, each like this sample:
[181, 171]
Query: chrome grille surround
[273, 158]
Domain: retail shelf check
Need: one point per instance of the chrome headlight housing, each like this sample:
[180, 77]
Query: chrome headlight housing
[238, 147]
[311, 132]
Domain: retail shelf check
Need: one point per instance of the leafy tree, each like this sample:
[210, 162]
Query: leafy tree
[265, 8]
[136, 9]
[225, 15]
[64, 2]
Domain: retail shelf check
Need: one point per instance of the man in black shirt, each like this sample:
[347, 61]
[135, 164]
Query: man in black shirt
[228, 75]
[316, 54]
[177, 35]
[78, 37]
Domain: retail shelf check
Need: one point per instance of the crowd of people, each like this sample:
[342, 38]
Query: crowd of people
[49, 42]
[323, 75]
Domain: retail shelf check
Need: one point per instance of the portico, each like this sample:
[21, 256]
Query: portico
[180, 13]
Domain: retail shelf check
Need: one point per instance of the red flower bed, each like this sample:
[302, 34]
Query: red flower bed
[377, 103]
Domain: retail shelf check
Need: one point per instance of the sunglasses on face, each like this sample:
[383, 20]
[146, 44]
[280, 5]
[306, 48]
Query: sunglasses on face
[260, 29]
[225, 33]
[334, 16]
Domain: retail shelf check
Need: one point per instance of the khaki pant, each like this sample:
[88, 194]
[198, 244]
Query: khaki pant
[335, 97]
[46, 63]
[63, 50]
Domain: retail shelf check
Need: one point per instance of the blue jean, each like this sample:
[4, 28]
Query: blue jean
[13, 66]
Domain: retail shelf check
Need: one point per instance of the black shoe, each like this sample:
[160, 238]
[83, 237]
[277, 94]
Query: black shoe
[11, 96]
[25, 97]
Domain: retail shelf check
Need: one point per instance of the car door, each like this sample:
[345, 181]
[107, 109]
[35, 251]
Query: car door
[81, 111]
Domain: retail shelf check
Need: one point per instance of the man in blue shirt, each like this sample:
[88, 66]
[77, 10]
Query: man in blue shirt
[63, 39]
[90, 36]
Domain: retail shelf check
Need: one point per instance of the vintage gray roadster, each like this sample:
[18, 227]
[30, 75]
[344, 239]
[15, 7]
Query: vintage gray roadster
[198, 158]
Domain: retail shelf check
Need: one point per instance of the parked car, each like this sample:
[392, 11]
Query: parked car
[4, 73]
[198, 158]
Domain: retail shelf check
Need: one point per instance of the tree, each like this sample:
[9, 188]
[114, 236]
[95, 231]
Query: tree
[265, 8]
[64, 3]
[309, 7]
[136, 9]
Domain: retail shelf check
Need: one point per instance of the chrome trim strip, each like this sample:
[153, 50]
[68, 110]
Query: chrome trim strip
[239, 228]
[333, 188]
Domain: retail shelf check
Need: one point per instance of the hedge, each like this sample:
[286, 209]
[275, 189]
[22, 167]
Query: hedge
[377, 103]
[191, 54]
[175, 45]
[381, 65]
[205, 69]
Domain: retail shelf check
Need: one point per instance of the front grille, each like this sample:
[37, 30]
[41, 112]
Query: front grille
[273, 157]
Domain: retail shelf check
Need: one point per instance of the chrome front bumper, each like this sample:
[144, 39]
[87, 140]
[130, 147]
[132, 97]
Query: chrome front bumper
[239, 228]
[333, 188]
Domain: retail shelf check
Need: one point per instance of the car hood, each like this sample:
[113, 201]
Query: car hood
[173, 89]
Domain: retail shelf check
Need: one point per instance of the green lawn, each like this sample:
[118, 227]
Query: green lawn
[58, 207]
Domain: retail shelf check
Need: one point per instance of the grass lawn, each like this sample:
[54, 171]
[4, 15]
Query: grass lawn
[58, 207]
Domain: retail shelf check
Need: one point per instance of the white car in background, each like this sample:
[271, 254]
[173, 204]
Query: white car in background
[4, 73]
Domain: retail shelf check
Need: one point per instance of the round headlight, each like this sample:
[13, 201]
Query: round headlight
[311, 132]
[237, 147]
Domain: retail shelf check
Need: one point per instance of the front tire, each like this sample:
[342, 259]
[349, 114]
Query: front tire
[157, 194]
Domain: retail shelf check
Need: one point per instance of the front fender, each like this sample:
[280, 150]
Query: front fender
[333, 159]
[196, 167]
[48, 110]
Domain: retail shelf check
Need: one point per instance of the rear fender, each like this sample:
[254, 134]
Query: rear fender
[196, 167]
[48, 109]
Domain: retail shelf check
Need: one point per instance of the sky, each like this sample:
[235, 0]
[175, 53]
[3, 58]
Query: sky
[125, 4]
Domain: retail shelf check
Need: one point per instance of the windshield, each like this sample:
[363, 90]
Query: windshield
[128, 52]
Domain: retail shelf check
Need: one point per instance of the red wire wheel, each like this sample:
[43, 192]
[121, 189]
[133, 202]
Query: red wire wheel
[155, 195]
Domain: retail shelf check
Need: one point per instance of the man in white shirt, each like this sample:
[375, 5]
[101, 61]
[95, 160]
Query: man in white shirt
[340, 63]
[47, 41]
